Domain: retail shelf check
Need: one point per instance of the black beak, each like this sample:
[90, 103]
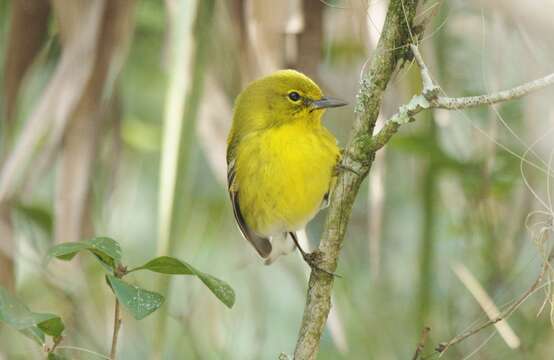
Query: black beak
[327, 102]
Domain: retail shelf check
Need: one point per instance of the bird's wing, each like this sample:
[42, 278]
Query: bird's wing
[261, 244]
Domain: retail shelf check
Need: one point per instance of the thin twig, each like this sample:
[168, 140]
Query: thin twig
[487, 304]
[119, 272]
[444, 346]
[422, 341]
[428, 84]
[445, 102]
[57, 341]
[429, 99]
[116, 327]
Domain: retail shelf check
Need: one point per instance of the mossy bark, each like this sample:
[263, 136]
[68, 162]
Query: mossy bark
[357, 157]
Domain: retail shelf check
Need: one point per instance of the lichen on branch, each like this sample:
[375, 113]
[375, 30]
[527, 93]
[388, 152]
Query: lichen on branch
[356, 162]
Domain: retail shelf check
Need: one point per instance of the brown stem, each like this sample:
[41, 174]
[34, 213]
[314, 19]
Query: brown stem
[422, 341]
[120, 271]
[57, 341]
[116, 327]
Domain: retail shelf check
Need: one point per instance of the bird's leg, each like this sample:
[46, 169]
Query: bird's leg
[309, 258]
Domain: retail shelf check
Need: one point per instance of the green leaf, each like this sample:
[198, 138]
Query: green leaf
[33, 325]
[219, 288]
[67, 251]
[173, 266]
[106, 250]
[50, 324]
[139, 302]
[167, 265]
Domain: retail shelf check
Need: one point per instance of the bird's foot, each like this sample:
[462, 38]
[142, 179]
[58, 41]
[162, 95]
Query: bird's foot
[312, 259]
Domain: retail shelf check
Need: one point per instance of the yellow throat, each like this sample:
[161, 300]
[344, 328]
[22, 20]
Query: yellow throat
[280, 158]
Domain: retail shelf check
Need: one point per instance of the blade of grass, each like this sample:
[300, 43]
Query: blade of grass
[79, 148]
[486, 303]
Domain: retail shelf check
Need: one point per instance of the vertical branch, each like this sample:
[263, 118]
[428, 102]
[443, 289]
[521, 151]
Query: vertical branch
[357, 157]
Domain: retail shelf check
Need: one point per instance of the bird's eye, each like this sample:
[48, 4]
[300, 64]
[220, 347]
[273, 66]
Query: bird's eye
[294, 96]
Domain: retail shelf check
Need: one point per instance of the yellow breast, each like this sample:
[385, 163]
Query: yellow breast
[283, 174]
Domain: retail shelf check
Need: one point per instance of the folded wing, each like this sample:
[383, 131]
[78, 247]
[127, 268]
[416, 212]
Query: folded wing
[261, 244]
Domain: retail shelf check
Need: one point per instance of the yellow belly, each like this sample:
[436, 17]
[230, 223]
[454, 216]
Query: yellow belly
[282, 175]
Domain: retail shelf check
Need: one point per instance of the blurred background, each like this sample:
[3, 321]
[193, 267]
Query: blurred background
[114, 116]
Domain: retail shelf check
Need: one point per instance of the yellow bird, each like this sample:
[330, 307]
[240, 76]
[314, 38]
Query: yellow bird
[280, 160]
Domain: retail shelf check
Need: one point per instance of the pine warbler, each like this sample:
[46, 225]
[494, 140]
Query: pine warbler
[281, 160]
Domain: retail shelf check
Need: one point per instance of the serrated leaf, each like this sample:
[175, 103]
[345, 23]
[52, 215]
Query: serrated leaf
[33, 325]
[173, 266]
[106, 250]
[139, 302]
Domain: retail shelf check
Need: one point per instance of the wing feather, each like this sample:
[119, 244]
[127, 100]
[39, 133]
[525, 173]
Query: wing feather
[261, 244]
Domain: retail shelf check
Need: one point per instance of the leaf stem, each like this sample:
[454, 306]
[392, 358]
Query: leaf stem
[119, 272]
[116, 327]
[57, 341]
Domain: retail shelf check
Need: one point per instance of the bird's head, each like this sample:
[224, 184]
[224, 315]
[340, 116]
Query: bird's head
[282, 97]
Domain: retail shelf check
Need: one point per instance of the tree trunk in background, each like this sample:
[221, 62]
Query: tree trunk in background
[310, 40]
[7, 249]
[28, 29]
[240, 24]
[29, 20]
[47, 121]
[79, 149]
